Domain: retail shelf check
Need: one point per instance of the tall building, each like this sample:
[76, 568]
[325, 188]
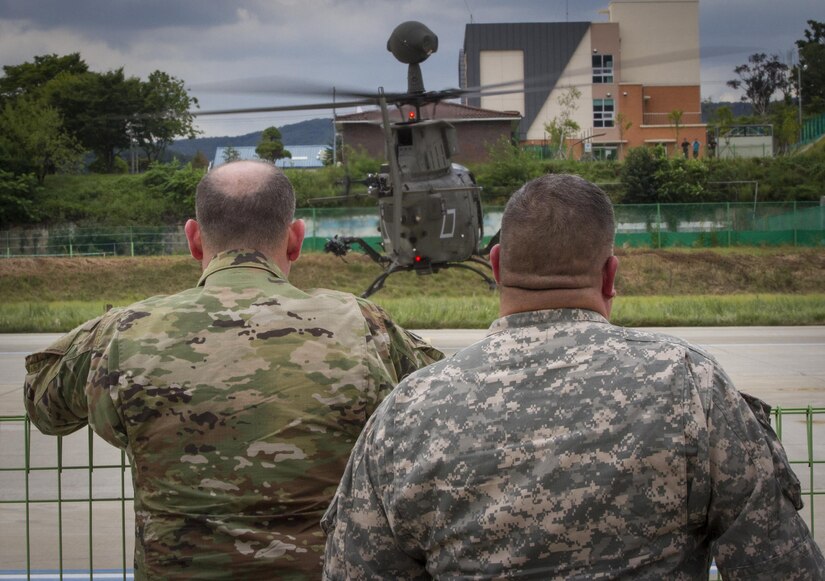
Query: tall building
[634, 79]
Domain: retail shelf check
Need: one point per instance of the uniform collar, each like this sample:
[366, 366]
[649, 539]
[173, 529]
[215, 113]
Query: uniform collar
[241, 258]
[546, 317]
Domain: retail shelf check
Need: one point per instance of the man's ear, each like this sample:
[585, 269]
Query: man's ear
[193, 237]
[295, 240]
[611, 266]
[495, 262]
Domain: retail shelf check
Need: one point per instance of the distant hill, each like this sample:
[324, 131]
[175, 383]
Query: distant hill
[312, 132]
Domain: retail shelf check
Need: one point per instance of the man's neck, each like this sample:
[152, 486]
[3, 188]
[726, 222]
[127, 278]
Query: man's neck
[514, 300]
[277, 257]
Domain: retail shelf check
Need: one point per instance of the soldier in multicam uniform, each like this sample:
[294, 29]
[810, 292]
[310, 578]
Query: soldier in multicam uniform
[564, 447]
[237, 401]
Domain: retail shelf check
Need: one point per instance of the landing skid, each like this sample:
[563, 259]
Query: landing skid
[378, 283]
[340, 245]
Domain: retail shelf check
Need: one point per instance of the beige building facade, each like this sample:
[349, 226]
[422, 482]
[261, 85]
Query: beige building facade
[637, 76]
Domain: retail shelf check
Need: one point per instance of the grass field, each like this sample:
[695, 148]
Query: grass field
[739, 286]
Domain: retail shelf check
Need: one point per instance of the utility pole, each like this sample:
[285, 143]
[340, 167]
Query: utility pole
[799, 90]
[798, 87]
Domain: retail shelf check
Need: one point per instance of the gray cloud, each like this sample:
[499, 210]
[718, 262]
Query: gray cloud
[335, 42]
[102, 19]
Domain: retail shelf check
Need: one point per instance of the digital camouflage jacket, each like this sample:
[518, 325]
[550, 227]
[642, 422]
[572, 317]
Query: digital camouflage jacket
[238, 402]
[564, 447]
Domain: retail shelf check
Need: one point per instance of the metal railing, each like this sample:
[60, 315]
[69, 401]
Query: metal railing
[66, 506]
[653, 225]
[666, 119]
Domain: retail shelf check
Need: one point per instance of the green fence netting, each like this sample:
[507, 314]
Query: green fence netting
[647, 225]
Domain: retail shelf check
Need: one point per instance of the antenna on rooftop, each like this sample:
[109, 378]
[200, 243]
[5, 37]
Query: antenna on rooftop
[468, 10]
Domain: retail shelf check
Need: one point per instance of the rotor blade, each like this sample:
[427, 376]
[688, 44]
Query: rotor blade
[276, 108]
[283, 86]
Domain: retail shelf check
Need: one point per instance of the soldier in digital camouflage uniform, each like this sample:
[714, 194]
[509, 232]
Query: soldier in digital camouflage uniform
[564, 447]
[237, 401]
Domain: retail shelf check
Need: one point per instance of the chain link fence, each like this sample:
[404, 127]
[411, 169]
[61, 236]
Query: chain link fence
[645, 225]
[66, 503]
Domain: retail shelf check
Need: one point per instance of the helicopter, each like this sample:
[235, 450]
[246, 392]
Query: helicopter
[430, 214]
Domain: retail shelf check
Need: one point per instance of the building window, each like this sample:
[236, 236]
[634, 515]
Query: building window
[602, 68]
[605, 152]
[603, 110]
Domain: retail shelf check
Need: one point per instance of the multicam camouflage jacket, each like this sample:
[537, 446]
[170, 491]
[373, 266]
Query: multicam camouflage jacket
[563, 447]
[238, 402]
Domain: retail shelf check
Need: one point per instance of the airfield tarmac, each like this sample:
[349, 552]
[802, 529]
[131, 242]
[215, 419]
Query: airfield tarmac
[785, 366]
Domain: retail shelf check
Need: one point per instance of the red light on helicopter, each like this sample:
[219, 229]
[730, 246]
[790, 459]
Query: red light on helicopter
[418, 258]
[411, 115]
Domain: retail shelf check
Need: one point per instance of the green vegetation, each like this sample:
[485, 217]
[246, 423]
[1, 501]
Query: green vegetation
[656, 288]
[719, 311]
[270, 147]
[477, 312]
[163, 194]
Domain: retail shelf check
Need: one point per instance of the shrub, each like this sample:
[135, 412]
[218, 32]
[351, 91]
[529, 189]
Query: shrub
[17, 204]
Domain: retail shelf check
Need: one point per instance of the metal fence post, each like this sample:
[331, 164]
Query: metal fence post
[728, 220]
[658, 225]
[795, 224]
[809, 428]
[314, 228]
[27, 464]
[91, 496]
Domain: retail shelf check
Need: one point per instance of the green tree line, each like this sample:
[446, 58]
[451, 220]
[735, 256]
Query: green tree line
[164, 194]
[54, 112]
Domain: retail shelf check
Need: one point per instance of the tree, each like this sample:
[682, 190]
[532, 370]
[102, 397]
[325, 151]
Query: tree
[270, 147]
[30, 77]
[624, 125]
[231, 154]
[675, 118]
[650, 177]
[761, 78]
[812, 61]
[17, 198]
[33, 140]
[98, 109]
[106, 112]
[639, 175]
[200, 161]
[562, 126]
[165, 113]
[785, 121]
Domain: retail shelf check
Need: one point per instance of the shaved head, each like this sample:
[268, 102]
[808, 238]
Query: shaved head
[244, 204]
[556, 233]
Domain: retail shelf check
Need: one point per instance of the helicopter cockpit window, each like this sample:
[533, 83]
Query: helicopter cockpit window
[405, 137]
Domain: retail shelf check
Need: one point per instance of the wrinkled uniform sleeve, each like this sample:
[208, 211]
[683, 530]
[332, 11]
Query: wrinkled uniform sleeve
[755, 495]
[402, 351]
[63, 390]
[361, 543]
[360, 540]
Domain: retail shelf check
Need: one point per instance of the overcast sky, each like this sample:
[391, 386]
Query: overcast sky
[336, 42]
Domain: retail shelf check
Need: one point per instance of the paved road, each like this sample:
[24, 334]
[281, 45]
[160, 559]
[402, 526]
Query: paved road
[783, 365]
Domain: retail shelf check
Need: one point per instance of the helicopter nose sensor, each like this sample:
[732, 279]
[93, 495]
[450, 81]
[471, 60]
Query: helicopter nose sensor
[412, 42]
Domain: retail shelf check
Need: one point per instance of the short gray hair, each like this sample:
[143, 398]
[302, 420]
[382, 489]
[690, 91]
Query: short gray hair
[556, 228]
[244, 204]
